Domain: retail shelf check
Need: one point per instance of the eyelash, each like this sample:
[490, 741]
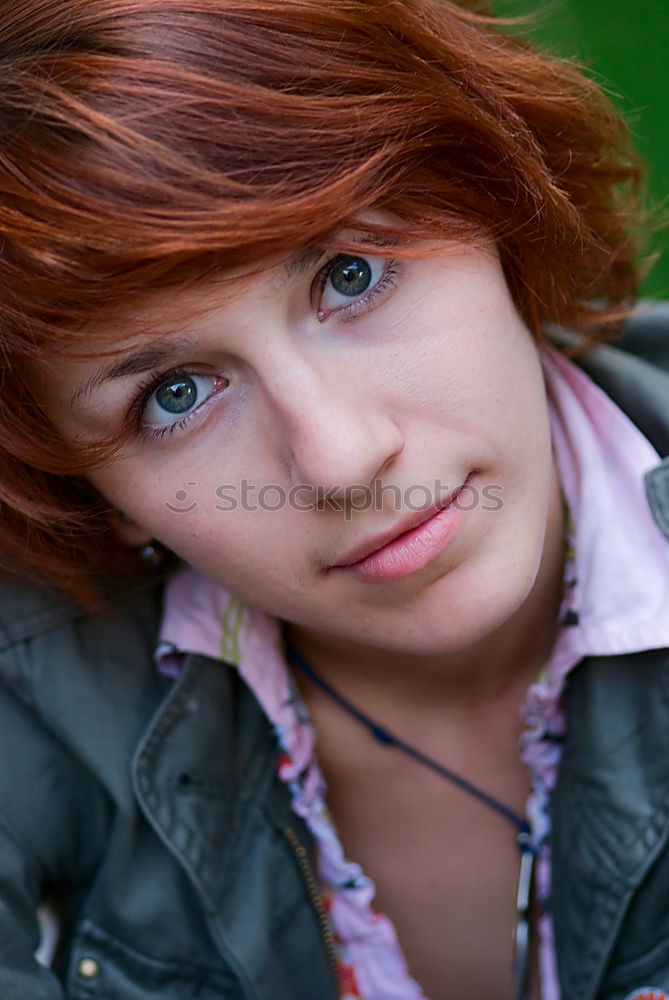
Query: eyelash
[144, 393]
[146, 389]
[347, 313]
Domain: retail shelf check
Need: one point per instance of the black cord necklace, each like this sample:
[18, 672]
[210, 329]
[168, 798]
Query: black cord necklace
[521, 962]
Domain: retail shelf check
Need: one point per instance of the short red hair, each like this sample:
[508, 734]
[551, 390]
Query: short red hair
[144, 143]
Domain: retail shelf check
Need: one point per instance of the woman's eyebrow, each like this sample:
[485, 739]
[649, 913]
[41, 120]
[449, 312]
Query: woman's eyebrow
[150, 357]
[143, 360]
[301, 261]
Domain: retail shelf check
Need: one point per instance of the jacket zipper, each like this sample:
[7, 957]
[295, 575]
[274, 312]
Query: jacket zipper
[316, 901]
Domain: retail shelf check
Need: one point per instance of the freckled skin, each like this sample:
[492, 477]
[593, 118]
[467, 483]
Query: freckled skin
[438, 379]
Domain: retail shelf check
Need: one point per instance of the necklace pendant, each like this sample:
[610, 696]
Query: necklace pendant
[522, 935]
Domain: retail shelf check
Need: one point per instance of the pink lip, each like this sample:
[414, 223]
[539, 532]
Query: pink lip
[407, 547]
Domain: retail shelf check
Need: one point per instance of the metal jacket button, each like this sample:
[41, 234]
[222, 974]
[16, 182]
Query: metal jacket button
[88, 968]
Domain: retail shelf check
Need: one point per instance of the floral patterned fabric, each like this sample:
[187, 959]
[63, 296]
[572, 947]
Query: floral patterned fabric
[616, 596]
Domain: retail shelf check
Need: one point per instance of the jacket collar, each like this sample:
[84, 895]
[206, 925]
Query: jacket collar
[641, 390]
[611, 801]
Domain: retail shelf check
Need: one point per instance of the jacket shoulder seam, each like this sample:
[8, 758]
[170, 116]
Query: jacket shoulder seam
[53, 617]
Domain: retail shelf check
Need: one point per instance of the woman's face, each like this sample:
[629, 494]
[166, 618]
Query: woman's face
[313, 415]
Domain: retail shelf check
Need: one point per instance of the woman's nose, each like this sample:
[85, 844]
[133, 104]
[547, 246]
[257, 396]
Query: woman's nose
[337, 435]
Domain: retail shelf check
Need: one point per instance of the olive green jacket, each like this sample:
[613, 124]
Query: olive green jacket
[149, 810]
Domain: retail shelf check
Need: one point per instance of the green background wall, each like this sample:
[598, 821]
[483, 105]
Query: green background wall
[626, 44]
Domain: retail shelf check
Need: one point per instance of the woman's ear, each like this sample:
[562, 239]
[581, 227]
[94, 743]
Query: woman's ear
[128, 531]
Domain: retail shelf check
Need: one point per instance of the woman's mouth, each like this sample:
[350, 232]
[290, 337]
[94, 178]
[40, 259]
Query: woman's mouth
[404, 550]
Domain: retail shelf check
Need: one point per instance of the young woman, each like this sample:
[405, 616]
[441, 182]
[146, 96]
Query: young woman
[335, 620]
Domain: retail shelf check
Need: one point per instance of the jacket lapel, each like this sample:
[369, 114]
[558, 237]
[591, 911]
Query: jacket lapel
[205, 777]
[611, 807]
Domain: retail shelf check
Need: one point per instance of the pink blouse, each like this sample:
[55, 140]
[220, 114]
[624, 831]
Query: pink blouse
[616, 600]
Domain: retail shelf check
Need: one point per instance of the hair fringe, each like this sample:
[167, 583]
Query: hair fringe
[147, 144]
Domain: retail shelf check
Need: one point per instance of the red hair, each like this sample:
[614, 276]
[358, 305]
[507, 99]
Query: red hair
[146, 143]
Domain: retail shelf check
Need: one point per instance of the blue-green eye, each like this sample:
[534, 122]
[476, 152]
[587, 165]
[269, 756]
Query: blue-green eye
[349, 277]
[178, 396]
